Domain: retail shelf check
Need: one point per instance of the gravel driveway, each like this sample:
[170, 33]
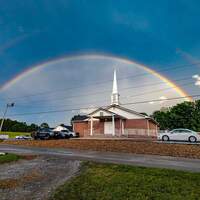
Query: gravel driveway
[35, 179]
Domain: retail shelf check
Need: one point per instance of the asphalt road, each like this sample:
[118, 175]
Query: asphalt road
[177, 163]
[178, 142]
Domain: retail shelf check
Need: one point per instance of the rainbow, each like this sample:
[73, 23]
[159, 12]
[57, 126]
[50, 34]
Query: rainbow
[33, 69]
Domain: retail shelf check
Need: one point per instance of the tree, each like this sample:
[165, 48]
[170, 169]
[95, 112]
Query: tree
[183, 115]
[16, 126]
[143, 113]
[78, 117]
[44, 125]
[32, 127]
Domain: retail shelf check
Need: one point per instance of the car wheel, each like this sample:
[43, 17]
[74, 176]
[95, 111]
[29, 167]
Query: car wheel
[192, 139]
[165, 138]
[47, 137]
[70, 135]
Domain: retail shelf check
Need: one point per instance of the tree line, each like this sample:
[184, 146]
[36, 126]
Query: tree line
[183, 115]
[16, 126]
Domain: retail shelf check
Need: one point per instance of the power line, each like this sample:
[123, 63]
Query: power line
[103, 82]
[105, 91]
[136, 95]
[158, 100]
[130, 103]
[160, 90]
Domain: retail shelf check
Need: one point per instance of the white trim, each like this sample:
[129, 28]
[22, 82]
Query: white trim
[148, 132]
[113, 123]
[156, 130]
[123, 132]
[91, 126]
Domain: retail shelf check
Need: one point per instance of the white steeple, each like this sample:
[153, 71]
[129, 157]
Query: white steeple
[115, 94]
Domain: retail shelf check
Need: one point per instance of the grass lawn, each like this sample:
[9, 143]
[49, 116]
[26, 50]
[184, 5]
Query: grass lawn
[121, 182]
[14, 134]
[9, 158]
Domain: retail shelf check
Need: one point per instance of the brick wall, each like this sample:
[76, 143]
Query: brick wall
[132, 126]
[139, 124]
[98, 127]
[152, 125]
[135, 124]
[80, 127]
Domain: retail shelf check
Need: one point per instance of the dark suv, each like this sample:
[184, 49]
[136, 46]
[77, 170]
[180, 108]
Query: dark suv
[43, 133]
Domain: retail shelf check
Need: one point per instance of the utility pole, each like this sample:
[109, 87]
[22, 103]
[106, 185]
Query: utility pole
[4, 114]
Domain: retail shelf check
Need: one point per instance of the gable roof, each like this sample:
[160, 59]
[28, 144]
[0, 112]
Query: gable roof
[105, 110]
[132, 112]
[127, 110]
[116, 114]
[98, 109]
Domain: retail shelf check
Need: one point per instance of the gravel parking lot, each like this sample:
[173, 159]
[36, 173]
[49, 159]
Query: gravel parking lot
[36, 178]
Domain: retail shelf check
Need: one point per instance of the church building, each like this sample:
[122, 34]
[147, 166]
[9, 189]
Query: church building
[115, 121]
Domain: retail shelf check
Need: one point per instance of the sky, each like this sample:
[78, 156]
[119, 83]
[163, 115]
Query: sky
[97, 36]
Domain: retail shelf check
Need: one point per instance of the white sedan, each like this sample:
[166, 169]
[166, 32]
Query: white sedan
[22, 137]
[180, 135]
[68, 133]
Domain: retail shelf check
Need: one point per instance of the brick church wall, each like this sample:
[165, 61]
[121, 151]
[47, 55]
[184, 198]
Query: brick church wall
[80, 127]
[131, 125]
[135, 124]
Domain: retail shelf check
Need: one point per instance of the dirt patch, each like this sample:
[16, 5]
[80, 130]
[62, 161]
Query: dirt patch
[29, 157]
[35, 178]
[126, 146]
[8, 183]
[14, 183]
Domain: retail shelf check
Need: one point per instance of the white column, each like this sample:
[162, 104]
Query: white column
[156, 130]
[122, 127]
[148, 127]
[91, 126]
[113, 124]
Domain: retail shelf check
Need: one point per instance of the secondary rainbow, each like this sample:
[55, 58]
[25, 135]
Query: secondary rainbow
[33, 69]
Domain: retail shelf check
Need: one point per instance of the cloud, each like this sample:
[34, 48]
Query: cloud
[131, 20]
[197, 83]
[188, 57]
[14, 41]
[197, 77]
[87, 110]
[151, 102]
[163, 98]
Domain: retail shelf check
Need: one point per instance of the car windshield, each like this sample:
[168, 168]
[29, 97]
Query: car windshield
[45, 129]
[181, 131]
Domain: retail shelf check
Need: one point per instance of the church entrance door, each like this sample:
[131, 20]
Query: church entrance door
[108, 128]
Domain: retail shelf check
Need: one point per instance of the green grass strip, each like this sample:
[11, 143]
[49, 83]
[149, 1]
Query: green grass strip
[121, 182]
[9, 158]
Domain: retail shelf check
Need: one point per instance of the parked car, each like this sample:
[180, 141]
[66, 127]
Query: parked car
[180, 135]
[22, 137]
[43, 133]
[67, 134]
[61, 135]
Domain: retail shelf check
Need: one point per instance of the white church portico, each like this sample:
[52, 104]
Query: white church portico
[116, 121]
[106, 122]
